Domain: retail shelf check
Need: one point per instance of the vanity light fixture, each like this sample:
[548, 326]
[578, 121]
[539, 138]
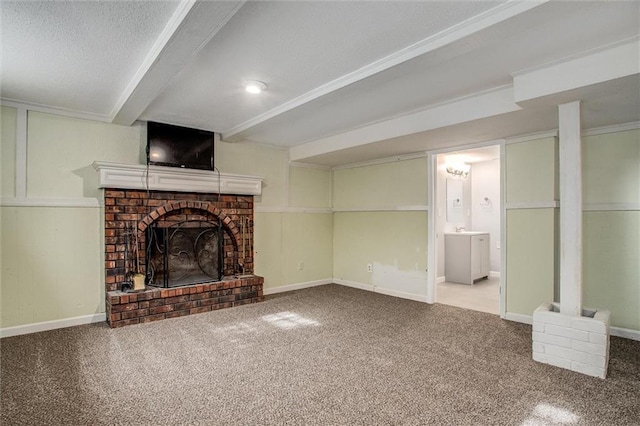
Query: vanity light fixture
[459, 170]
[255, 87]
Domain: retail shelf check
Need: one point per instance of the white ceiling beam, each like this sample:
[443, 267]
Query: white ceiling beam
[598, 66]
[474, 107]
[500, 13]
[192, 26]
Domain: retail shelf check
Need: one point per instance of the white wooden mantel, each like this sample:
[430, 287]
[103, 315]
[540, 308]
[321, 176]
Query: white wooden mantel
[159, 178]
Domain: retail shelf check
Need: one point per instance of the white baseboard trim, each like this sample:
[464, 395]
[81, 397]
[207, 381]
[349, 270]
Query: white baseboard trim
[525, 319]
[401, 294]
[441, 279]
[614, 331]
[625, 332]
[381, 290]
[297, 286]
[51, 325]
[494, 274]
[353, 284]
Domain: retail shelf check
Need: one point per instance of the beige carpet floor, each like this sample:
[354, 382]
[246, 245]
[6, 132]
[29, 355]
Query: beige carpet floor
[328, 355]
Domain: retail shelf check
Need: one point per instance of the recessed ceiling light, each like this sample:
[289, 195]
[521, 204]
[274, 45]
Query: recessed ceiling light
[255, 87]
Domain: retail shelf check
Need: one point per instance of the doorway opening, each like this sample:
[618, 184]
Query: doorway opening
[468, 228]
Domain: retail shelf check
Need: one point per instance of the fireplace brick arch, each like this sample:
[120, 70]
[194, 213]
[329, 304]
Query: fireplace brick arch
[165, 209]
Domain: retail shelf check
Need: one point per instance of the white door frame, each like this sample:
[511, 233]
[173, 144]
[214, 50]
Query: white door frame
[431, 220]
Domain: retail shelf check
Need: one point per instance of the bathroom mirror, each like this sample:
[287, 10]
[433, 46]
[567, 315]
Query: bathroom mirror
[454, 201]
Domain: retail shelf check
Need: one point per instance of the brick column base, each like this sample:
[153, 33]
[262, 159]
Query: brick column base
[579, 344]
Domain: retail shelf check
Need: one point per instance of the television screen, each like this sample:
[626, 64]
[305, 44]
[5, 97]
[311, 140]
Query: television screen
[176, 146]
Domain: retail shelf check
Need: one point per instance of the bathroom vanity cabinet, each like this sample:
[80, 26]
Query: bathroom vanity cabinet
[466, 256]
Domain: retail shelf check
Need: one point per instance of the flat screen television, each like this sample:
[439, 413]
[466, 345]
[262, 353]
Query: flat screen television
[176, 146]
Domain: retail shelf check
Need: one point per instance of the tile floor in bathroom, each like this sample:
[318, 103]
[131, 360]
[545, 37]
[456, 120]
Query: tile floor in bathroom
[482, 296]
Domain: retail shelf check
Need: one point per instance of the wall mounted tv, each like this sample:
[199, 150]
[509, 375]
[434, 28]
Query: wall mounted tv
[176, 146]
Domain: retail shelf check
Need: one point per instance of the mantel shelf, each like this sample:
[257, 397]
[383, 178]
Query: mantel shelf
[159, 178]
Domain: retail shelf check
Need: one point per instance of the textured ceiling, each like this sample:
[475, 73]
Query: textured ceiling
[333, 69]
[76, 55]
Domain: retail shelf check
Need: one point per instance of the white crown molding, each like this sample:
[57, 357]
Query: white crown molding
[493, 16]
[575, 56]
[616, 128]
[48, 109]
[517, 205]
[385, 160]
[465, 147]
[309, 166]
[593, 67]
[532, 136]
[81, 202]
[51, 325]
[159, 178]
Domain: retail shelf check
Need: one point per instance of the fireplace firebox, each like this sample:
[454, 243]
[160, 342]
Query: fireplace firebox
[184, 254]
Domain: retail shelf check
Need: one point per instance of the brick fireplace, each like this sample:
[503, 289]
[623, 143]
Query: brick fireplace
[134, 215]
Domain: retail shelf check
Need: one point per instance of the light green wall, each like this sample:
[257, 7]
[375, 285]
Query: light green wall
[531, 170]
[530, 259]
[293, 248]
[283, 239]
[395, 243]
[401, 183]
[531, 176]
[611, 168]
[611, 243]
[268, 248]
[310, 187]
[52, 264]
[307, 239]
[271, 164]
[60, 152]
[7, 151]
[611, 269]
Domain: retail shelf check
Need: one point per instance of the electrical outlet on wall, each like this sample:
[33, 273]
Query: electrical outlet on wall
[369, 267]
[300, 266]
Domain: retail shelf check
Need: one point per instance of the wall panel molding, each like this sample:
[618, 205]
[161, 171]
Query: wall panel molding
[50, 202]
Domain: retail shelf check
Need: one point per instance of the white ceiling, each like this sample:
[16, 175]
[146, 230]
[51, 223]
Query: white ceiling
[347, 81]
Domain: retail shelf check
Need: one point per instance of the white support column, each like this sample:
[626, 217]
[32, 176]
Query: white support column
[570, 160]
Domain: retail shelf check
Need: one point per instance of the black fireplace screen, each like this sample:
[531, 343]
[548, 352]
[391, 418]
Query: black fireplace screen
[184, 254]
